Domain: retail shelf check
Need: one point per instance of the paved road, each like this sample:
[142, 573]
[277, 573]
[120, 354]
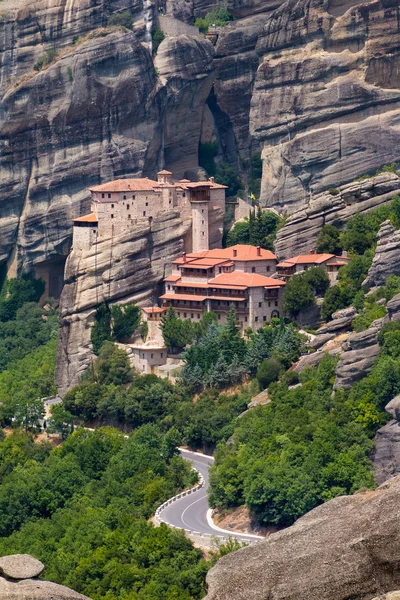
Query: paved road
[190, 512]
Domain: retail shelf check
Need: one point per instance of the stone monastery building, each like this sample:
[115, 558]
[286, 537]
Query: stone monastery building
[212, 280]
[118, 204]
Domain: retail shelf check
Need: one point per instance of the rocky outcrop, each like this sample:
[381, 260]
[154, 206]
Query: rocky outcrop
[101, 109]
[17, 573]
[301, 229]
[125, 269]
[359, 353]
[346, 548]
[387, 452]
[386, 258]
[20, 566]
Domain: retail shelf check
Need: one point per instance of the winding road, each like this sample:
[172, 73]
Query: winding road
[192, 512]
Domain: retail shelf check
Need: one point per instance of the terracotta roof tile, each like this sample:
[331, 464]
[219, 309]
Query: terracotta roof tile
[172, 278]
[183, 297]
[238, 278]
[126, 185]
[90, 218]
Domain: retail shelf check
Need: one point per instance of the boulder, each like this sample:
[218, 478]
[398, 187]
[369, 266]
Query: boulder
[393, 407]
[34, 589]
[359, 353]
[393, 308]
[386, 456]
[341, 322]
[386, 261]
[320, 340]
[20, 566]
[313, 360]
[346, 548]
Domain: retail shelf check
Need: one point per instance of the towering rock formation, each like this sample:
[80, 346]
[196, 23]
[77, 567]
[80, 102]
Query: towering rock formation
[346, 548]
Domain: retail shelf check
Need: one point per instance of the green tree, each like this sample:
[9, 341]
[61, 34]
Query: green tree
[328, 240]
[226, 175]
[113, 365]
[298, 295]
[176, 333]
[125, 320]
[61, 421]
[124, 19]
[157, 37]
[101, 330]
[318, 279]
[268, 372]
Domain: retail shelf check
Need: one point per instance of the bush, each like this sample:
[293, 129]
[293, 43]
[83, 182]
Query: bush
[334, 191]
[124, 19]
[226, 175]
[207, 152]
[318, 279]
[298, 295]
[101, 330]
[45, 59]
[157, 37]
[126, 319]
[328, 240]
[201, 24]
[392, 168]
[268, 371]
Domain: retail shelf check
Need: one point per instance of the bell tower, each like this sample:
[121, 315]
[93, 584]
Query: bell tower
[200, 201]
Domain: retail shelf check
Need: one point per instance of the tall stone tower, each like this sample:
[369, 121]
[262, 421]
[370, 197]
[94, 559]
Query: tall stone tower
[200, 200]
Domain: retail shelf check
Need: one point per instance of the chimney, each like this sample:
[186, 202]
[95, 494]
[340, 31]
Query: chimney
[234, 252]
[211, 179]
[312, 251]
[184, 256]
[258, 251]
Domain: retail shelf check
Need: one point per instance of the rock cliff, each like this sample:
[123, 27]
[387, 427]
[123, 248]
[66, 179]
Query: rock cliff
[346, 548]
[301, 229]
[386, 258]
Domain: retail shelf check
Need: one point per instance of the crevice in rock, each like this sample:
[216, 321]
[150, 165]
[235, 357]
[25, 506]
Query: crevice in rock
[227, 140]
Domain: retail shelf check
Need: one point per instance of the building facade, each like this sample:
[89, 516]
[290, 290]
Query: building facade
[211, 280]
[118, 204]
[298, 264]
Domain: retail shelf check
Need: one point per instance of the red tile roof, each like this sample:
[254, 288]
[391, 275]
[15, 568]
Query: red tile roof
[153, 310]
[172, 278]
[126, 185]
[164, 172]
[90, 218]
[183, 297]
[244, 252]
[194, 285]
[238, 278]
[306, 259]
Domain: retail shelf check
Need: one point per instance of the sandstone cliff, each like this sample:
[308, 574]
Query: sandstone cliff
[346, 548]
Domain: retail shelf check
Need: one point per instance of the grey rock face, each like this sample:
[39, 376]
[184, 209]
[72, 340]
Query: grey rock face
[20, 566]
[393, 308]
[387, 452]
[389, 596]
[386, 260]
[393, 407]
[341, 322]
[301, 229]
[33, 589]
[346, 548]
[359, 353]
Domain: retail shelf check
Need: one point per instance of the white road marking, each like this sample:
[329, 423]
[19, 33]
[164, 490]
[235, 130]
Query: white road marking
[187, 508]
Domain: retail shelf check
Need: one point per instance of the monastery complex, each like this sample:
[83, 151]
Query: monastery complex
[203, 279]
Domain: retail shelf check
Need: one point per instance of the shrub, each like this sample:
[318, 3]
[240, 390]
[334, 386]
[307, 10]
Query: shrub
[298, 295]
[124, 19]
[268, 372]
[392, 168]
[318, 279]
[207, 152]
[226, 175]
[45, 59]
[201, 24]
[328, 240]
[334, 191]
[157, 37]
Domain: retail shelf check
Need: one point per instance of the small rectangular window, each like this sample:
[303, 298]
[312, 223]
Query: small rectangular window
[133, 197]
[124, 197]
[268, 269]
[144, 213]
[264, 318]
[184, 315]
[245, 318]
[198, 314]
[102, 195]
[147, 203]
[269, 303]
[256, 319]
[112, 216]
[276, 303]
[219, 317]
[151, 355]
[142, 354]
[129, 216]
[253, 269]
[127, 207]
[112, 205]
[191, 315]
[109, 195]
[202, 233]
[259, 305]
[202, 222]
[162, 355]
